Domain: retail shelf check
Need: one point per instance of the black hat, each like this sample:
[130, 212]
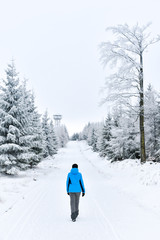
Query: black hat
[75, 165]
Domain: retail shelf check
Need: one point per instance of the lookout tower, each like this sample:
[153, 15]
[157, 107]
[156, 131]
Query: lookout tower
[57, 119]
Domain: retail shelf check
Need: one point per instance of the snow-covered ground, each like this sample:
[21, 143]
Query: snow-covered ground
[122, 200]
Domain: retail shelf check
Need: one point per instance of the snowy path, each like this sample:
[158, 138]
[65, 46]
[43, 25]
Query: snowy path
[106, 213]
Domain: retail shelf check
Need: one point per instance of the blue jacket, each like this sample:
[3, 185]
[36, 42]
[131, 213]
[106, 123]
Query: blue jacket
[74, 181]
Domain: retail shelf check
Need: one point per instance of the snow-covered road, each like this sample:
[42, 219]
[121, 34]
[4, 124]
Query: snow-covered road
[106, 212]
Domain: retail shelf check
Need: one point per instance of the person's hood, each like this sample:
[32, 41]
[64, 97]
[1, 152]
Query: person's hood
[74, 171]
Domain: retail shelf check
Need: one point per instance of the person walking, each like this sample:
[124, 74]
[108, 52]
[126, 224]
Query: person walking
[74, 187]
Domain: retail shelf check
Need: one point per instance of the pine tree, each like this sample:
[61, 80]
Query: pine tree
[116, 147]
[10, 127]
[85, 132]
[157, 127]
[31, 135]
[61, 135]
[75, 137]
[50, 140]
[132, 141]
[36, 131]
[92, 134]
[20, 128]
[106, 137]
[119, 136]
[89, 134]
[46, 133]
[151, 111]
[53, 139]
[94, 140]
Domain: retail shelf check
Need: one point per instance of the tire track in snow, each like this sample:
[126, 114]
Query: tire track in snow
[109, 229]
[26, 214]
[113, 234]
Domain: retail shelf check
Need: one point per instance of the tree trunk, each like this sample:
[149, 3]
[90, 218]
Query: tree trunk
[141, 114]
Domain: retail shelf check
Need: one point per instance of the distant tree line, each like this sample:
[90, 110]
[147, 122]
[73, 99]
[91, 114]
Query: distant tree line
[25, 138]
[118, 137]
[75, 137]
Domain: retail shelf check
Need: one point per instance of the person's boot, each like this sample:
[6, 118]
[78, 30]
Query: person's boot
[77, 213]
[73, 216]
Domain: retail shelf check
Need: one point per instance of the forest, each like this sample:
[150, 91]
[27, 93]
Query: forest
[26, 137]
[132, 127]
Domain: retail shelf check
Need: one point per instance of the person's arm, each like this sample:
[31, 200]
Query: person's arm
[68, 182]
[82, 185]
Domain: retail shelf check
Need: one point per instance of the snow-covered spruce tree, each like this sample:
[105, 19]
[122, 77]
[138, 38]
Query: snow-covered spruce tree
[132, 142]
[126, 53]
[151, 112]
[84, 133]
[116, 145]
[106, 137]
[50, 142]
[20, 127]
[10, 127]
[124, 135]
[61, 135]
[75, 137]
[94, 140]
[53, 139]
[31, 135]
[119, 136]
[157, 123]
[36, 130]
[92, 134]
[99, 130]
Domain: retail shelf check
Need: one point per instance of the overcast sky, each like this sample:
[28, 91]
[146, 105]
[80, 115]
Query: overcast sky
[55, 45]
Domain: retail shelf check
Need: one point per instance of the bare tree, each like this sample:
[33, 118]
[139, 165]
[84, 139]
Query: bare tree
[125, 53]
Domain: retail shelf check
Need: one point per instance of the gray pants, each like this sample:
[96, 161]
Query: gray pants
[74, 202]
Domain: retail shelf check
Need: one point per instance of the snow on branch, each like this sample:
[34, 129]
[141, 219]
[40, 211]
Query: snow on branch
[9, 147]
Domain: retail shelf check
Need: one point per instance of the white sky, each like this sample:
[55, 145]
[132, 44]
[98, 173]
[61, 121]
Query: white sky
[55, 46]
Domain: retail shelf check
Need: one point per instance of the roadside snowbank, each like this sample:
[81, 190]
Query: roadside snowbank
[140, 181]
